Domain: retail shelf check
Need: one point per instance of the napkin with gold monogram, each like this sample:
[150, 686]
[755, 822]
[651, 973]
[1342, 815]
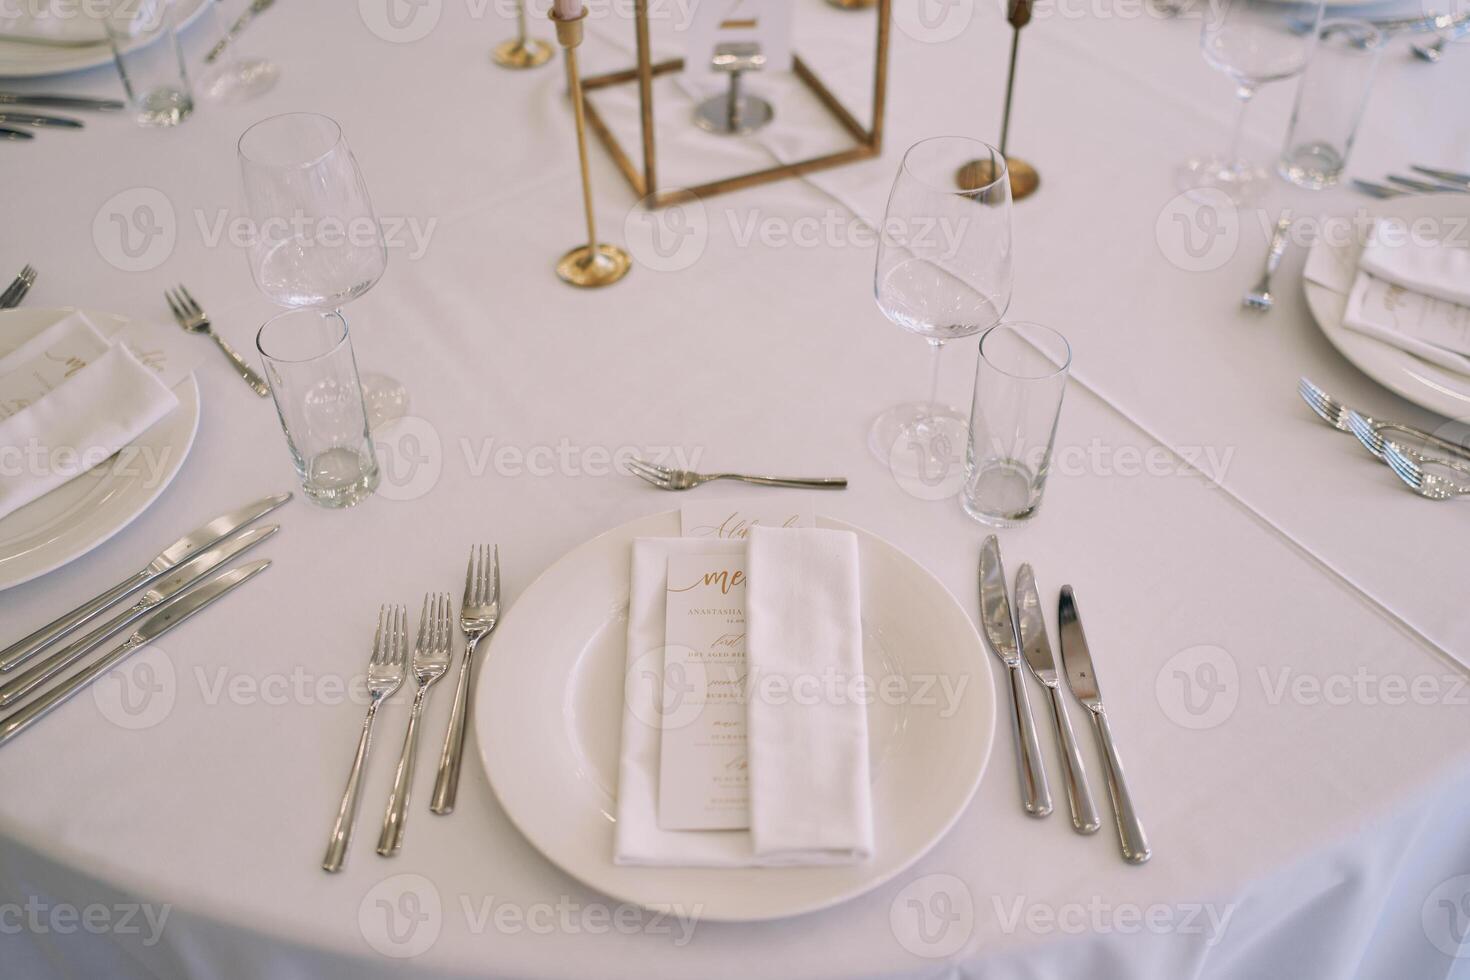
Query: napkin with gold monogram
[69, 399]
[808, 767]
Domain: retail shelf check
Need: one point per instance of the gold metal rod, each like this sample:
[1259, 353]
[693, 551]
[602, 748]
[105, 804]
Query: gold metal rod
[824, 95]
[645, 97]
[594, 82]
[880, 74]
[521, 31]
[580, 112]
[610, 143]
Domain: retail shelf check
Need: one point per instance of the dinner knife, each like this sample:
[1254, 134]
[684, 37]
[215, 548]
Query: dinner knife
[38, 119]
[168, 588]
[62, 101]
[1448, 176]
[1082, 679]
[1000, 629]
[1036, 648]
[9, 133]
[180, 551]
[1425, 187]
[162, 620]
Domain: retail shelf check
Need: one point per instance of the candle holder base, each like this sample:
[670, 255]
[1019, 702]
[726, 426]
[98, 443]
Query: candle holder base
[588, 269]
[751, 113]
[521, 54]
[977, 173]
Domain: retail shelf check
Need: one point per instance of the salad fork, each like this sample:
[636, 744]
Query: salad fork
[17, 290]
[479, 611]
[1371, 437]
[1420, 480]
[666, 478]
[191, 316]
[1335, 414]
[384, 678]
[430, 663]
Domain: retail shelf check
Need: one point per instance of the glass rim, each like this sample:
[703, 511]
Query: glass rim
[324, 314]
[1029, 325]
[952, 188]
[1372, 37]
[336, 142]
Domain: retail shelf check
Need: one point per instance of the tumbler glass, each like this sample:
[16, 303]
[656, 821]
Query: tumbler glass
[1020, 379]
[1329, 103]
[150, 61]
[313, 377]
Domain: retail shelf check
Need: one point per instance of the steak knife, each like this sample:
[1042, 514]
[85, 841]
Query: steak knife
[167, 560]
[1000, 629]
[1082, 679]
[165, 619]
[173, 585]
[1036, 648]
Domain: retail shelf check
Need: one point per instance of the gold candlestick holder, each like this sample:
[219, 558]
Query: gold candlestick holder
[523, 51]
[596, 263]
[977, 173]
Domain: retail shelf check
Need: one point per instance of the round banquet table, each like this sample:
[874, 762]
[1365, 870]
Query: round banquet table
[1279, 625]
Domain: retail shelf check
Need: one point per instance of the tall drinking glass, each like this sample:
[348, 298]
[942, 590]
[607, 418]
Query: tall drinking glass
[145, 47]
[316, 241]
[1020, 378]
[943, 272]
[313, 377]
[1254, 42]
[1330, 100]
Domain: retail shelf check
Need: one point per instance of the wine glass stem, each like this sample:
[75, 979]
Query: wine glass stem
[934, 362]
[1244, 93]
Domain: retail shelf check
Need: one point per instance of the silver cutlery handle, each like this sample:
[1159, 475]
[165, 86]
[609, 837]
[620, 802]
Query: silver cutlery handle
[1079, 798]
[1130, 830]
[446, 784]
[254, 380]
[13, 724]
[347, 812]
[1035, 796]
[22, 650]
[825, 483]
[1444, 444]
[391, 839]
[23, 683]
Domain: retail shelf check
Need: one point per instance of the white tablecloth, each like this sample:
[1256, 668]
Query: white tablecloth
[1278, 646]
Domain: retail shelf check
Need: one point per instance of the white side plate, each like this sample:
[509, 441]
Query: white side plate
[21, 60]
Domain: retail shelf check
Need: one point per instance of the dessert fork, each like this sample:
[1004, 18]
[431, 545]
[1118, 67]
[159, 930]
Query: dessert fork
[1420, 480]
[666, 478]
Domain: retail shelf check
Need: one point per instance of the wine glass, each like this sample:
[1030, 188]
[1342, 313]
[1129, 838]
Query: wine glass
[316, 241]
[943, 272]
[1254, 42]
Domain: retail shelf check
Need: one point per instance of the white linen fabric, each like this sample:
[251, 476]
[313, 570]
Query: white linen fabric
[90, 413]
[73, 21]
[810, 791]
[1437, 268]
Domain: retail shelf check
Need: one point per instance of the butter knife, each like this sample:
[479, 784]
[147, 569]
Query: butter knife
[167, 560]
[163, 620]
[62, 101]
[1077, 660]
[1000, 629]
[1037, 650]
[170, 587]
[14, 117]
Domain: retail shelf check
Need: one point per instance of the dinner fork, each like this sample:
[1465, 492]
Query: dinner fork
[384, 678]
[479, 611]
[1420, 480]
[666, 478]
[430, 662]
[17, 290]
[1371, 436]
[191, 317]
[1335, 414]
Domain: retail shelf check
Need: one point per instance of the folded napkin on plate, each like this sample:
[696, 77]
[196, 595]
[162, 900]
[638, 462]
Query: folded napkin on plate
[1433, 268]
[73, 21]
[72, 401]
[809, 784]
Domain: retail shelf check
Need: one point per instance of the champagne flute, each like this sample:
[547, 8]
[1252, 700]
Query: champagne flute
[943, 272]
[1254, 42]
[316, 241]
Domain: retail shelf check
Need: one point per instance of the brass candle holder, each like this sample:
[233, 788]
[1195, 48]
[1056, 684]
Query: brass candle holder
[978, 173]
[523, 51]
[596, 263]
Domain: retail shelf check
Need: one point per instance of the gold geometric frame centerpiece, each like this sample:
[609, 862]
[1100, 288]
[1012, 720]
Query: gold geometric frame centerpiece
[868, 142]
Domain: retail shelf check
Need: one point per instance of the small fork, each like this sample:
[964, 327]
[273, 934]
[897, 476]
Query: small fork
[479, 611]
[430, 662]
[384, 678]
[666, 478]
[1335, 414]
[191, 316]
[17, 290]
[1420, 480]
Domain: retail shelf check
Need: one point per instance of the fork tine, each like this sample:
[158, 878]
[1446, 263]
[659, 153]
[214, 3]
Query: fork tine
[657, 479]
[377, 657]
[420, 643]
[1406, 468]
[446, 611]
[173, 305]
[400, 655]
[662, 470]
[470, 579]
[194, 306]
[495, 564]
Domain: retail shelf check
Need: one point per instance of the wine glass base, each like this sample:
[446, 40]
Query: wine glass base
[384, 398]
[1241, 181]
[919, 440]
[237, 81]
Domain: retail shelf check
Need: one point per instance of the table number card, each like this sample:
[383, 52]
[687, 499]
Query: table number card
[703, 778]
[735, 518]
[715, 22]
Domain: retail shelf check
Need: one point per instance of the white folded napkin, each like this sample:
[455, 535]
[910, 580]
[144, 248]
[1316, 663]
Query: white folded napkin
[73, 21]
[68, 401]
[1432, 267]
[809, 782]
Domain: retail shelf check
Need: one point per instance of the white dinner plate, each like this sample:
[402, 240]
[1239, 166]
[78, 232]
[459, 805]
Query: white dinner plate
[82, 513]
[548, 717]
[1426, 385]
[21, 60]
